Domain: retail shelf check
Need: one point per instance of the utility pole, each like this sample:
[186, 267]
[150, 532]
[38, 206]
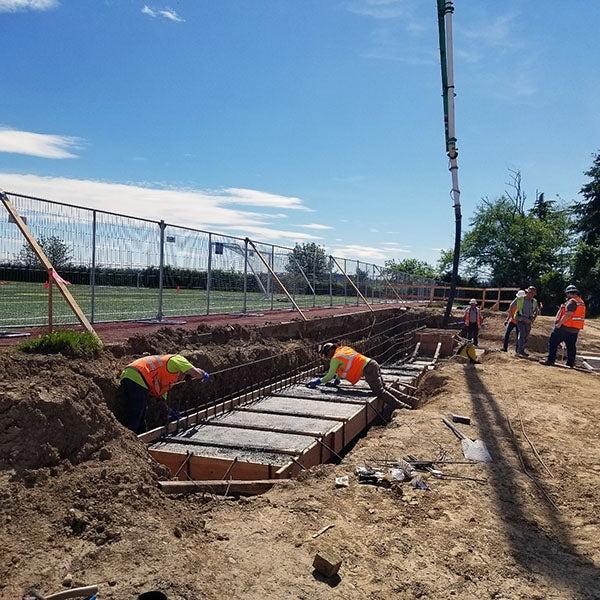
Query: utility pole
[445, 10]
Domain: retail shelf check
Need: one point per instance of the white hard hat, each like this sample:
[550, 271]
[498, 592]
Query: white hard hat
[472, 301]
[521, 294]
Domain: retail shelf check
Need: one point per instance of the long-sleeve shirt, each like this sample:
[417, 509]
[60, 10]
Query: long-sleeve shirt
[334, 365]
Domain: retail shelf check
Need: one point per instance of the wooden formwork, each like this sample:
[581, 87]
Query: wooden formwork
[279, 434]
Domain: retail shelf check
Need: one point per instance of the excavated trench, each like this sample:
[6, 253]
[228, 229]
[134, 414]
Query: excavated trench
[278, 427]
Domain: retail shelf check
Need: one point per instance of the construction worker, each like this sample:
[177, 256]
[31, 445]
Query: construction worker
[569, 321]
[527, 310]
[347, 363]
[151, 376]
[473, 321]
[511, 320]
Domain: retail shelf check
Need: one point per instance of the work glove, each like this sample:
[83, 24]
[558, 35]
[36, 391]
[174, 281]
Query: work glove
[313, 383]
[205, 377]
[334, 382]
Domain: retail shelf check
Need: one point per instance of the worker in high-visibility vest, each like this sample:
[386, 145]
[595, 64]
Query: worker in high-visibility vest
[346, 363]
[511, 320]
[569, 321]
[527, 310]
[472, 320]
[151, 376]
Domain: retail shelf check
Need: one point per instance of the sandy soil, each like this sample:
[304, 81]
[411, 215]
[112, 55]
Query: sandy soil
[102, 519]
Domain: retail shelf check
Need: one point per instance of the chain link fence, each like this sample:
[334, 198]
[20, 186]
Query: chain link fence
[122, 268]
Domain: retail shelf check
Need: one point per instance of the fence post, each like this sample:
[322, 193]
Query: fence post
[245, 302]
[356, 275]
[330, 283]
[208, 273]
[314, 277]
[93, 271]
[345, 284]
[271, 276]
[50, 315]
[161, 271]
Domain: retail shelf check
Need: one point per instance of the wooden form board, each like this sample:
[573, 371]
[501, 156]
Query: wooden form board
[17, 219]
[343, 415]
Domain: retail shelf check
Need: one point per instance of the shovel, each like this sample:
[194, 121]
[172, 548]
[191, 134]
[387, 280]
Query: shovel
[473, 450]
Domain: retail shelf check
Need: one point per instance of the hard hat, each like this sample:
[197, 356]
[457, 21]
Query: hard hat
[325, 349]
[472, 301]
[571, 289]
[521, 294]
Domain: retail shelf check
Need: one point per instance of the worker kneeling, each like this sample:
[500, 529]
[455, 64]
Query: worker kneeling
[347, 363]
[151, 376]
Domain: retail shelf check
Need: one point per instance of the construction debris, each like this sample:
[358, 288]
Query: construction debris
[461, 419]
[327, 562]
[323, 530]
[472, 449]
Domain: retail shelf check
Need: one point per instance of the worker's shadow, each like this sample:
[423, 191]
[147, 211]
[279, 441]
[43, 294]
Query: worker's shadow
[549, 552]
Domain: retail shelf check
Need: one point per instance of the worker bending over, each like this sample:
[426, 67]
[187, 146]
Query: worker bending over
[347, 363]
[569, 321]
[151, 376]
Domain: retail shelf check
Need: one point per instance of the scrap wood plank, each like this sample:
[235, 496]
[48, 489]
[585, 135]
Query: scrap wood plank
[218, 486]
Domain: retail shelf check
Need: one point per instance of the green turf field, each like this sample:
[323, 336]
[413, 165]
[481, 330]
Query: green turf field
[26, 304]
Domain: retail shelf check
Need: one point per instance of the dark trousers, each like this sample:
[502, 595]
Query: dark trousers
[473, 333]
[507, 332]
[372, 375]
[134, 400]
[569, 338]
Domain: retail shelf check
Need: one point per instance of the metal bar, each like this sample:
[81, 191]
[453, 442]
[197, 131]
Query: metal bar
[357, 282]
[345, 285]
[93, 271]
[249, 241]
[161, 269]
[389, 283]
[352, 284]
[314, 277]
[330, 284]
[230, 467]
[50, 315]
[271, 276]
[245, 301]
[208, 273]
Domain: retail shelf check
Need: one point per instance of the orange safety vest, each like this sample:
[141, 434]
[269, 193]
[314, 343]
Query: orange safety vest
[468, 317]
[353, 364]
[577, 319]
[154, 371]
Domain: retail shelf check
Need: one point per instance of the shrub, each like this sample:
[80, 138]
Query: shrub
[69, 343]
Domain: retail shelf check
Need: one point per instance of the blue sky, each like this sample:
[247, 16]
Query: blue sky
[294, 120]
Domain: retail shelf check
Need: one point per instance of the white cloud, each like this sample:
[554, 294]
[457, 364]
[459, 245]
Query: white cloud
[165, 13]
[368, 253]
[315, 226]
[497, 33]
[257, 198]
[37, 144]
[16, 5]
[379, 9]
[373, 230]
[194, 208]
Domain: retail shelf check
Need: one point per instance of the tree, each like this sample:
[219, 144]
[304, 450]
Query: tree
[586, 260]
[310, 258]
[410, 266]
[56, 250]
[588, 210]
[515, 247]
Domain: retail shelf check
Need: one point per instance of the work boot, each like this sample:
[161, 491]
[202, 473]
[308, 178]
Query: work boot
[546, 363]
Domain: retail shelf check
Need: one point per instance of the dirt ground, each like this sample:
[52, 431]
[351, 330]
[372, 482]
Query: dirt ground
[94, 513]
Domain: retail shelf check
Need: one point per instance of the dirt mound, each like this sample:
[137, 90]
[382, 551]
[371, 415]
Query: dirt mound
[433, 384]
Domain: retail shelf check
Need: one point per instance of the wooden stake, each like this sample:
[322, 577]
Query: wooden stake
[47, 264]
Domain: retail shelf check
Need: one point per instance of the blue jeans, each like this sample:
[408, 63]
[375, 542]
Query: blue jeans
[569, 338]
[507, 332]
[523, 327]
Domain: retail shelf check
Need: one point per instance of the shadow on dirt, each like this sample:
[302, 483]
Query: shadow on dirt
[551, 552]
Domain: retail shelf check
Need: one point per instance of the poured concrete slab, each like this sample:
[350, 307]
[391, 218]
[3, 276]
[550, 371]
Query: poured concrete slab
[277, 422]
[209, 435]
[342, 394]
[296, 406]
[251, 456]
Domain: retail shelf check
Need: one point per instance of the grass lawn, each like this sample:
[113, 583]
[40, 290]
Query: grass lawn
[26, 304]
